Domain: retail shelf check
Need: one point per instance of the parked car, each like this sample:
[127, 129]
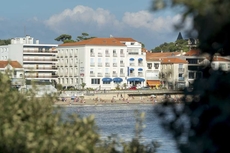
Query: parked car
[133, 88]
[145, 88]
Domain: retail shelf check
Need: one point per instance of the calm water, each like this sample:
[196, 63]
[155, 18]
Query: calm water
[120, 120]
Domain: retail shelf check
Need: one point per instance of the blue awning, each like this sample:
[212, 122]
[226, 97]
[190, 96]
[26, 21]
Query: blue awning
[117, 79]
[131, 59]
[106, 79]
[140, 59]
[140, 69]
[131, 69]
[136, 79]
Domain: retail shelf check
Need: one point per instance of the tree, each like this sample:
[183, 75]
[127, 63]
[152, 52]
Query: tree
[178, 45]
[201, 123]
[83, 85]
[84, 36]
[5, 42]
[64, 38]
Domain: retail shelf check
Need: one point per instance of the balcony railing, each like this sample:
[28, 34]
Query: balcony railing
[114, 64]
[28, 59]
[140, 64]
[122, 55]
[132, 64]
[122, 64]
[181, 79]
[99, 74]
[107, 55]
[180, 69]
[140, 75]
[131, 74]
[114, 74]
[92, 55]
[99, 54]
[42, 76]
[38, 51]
[92, 64]
[99, 64]
[107, 74]
[114, 54]
[92, 74]
[41, 68]
[107, 64]
[122, 74]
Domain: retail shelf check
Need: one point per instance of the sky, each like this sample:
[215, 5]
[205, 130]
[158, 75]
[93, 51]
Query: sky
[45, 20]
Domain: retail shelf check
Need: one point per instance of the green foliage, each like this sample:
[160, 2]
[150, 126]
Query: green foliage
[172, 46]
[34, 125]
[83, 85]
[59, 87]
[64, 38]
[201, 123]
[84, 36]
[124, 85]
[5, 42]
[118, 86]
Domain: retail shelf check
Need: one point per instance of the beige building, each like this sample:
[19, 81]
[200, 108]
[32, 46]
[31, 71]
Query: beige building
[173, 72]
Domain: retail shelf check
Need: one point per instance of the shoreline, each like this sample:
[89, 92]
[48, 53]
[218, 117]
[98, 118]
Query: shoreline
[113, 100]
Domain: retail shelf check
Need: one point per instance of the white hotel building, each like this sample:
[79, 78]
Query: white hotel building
[101, 63]
[38, 60]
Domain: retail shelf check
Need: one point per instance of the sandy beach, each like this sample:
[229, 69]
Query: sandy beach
[103, 99]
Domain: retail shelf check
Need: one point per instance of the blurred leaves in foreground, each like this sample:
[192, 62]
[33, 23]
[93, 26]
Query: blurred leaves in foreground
[201, 124]
[32, 124]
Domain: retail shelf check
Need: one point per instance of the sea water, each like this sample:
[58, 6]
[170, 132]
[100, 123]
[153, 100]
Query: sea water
[120, 120]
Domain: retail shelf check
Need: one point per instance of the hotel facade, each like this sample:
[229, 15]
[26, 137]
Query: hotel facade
[101, 63]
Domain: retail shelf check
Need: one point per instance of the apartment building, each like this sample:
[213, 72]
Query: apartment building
[101, 63]
[38, 60]
[173, 73]
[15, 72]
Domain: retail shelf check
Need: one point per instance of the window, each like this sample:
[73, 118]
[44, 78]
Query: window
[107, 51]
[149, 65]
[91, 71]
[91, 50]
[122, 51]
[106, 82]
[121, 71]
[95, 81]
[156, 65]
[191, 75]
[223, 66]
[114, 51]
[132, 43]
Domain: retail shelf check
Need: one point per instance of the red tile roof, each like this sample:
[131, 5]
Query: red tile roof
[125, 39]
[96, 41]
[193, 52]
[159, 56]
[173, 61]
[14, 64]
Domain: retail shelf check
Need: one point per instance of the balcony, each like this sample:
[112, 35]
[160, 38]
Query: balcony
[99, 64]
[122, 64]
[107, 64]
[99, 55]
[99, 74]
[132, 64]
[41, 76]
[122, 74]
[92, 55]
[92, 74]
[114, 64]
[140, 74]
[41, 68]
[92, 64]
[114, 74]
[181, 79]
[114, 54]
[107, 55]
[122, 55]
[39, 51]
[132, 74]
[140, 64]
[37, 59]
[181, 70]
[107, 74]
